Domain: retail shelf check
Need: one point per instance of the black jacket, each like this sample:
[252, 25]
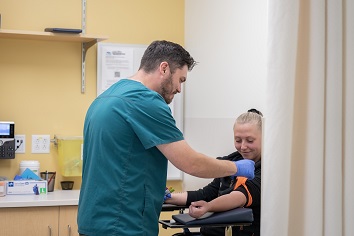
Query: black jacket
[221, 186]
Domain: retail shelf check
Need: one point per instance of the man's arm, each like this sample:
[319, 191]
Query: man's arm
[182, 156]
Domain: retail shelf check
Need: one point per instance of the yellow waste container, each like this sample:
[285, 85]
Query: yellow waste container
[70, 155]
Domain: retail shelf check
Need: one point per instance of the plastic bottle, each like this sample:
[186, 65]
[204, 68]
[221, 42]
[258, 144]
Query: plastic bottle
[32, 165]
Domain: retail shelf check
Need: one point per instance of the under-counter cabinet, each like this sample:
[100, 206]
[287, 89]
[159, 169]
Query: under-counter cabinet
[67, 221]
[38, 221]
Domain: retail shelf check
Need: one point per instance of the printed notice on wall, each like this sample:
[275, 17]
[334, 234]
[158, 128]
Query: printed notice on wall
[116, 61]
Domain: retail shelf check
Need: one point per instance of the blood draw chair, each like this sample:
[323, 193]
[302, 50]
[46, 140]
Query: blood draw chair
[227, 219]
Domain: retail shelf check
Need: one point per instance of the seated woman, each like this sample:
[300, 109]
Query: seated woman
[227, 193]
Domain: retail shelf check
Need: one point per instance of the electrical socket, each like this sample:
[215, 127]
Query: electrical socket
[40, 143]
[20, 143]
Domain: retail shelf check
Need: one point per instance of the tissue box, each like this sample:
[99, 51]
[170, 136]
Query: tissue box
[26, 187]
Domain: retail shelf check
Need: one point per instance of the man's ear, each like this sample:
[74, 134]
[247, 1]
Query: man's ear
[164, 66]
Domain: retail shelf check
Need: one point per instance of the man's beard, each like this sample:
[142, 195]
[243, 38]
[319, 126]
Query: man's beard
[166, 89]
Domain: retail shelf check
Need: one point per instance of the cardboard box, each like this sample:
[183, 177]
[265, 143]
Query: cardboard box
[26, 187]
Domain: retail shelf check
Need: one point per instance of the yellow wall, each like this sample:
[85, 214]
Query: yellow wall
[40, 81]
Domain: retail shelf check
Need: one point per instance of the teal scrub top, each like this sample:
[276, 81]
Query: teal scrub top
[124, 174]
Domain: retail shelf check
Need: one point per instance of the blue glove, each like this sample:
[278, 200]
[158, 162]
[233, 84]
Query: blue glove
[245, 168]
[166, 196]
[168, 192]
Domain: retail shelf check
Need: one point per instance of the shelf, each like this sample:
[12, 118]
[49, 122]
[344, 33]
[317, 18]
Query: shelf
[86, 42]
[48, 36]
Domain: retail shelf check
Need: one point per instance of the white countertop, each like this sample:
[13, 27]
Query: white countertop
[55, 198]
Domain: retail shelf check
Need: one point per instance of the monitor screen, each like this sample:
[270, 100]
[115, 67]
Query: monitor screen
[4, 129]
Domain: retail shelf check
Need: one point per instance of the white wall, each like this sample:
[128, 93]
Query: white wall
[228, 39]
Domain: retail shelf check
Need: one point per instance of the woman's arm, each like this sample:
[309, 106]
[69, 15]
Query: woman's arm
[177, 199]
[225, 202]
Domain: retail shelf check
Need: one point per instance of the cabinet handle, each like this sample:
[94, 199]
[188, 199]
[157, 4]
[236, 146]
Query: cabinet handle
[50, 230]
[69, 230]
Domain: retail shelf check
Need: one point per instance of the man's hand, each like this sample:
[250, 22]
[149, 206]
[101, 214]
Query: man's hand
[168, 192]
[245, 168]
[166, 197]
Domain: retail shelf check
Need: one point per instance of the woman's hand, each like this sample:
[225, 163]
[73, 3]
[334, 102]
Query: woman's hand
[198, 209]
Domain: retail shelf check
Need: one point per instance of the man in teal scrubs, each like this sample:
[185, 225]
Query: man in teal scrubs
[129, 135]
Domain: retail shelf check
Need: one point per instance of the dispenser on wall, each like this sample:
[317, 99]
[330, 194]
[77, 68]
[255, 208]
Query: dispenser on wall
[7, 140]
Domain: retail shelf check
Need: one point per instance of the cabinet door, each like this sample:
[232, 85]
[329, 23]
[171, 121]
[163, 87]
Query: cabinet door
[67, 221]
[29, 221]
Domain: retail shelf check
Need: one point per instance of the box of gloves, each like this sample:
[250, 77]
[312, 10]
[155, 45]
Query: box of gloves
[37, 187]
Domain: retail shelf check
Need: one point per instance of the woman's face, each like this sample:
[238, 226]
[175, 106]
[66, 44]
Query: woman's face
[248, 141]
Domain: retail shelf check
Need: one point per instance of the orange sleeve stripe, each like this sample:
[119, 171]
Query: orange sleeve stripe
[242, 181]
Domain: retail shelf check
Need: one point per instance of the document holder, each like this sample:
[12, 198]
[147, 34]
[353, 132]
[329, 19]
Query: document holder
[244, 215]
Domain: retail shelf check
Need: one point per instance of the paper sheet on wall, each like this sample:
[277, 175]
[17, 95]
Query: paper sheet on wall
[118, 63]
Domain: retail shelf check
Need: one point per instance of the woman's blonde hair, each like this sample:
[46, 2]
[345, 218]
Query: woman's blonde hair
[252, 116]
